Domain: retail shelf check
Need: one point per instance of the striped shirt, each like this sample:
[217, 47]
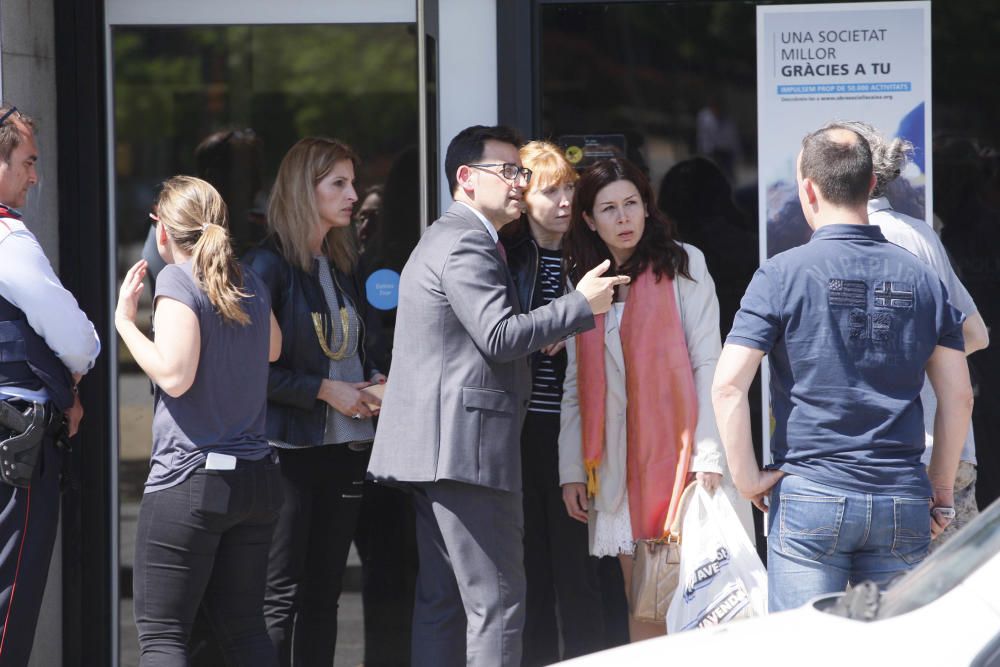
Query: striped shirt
[546, 388]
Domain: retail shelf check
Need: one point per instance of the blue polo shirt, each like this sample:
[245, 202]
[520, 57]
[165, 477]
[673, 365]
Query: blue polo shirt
[849, 321]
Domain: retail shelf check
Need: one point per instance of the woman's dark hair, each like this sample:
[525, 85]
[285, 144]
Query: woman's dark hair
[583, 249]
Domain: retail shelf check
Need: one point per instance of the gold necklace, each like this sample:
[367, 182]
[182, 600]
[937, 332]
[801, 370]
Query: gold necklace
[321, 334]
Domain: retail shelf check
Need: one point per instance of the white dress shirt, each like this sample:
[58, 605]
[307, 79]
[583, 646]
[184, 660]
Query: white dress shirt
[919, 238]
[486, 223]
[28, 282]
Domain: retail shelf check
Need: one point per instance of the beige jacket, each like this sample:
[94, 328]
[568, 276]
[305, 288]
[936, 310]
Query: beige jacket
[699, 309]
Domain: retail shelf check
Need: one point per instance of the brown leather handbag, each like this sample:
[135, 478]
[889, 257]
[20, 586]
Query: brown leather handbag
[656, 569]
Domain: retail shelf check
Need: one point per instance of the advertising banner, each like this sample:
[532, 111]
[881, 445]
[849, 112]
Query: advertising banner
[819, 63]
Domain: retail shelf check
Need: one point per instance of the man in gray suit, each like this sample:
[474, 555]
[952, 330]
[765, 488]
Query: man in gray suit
[451, 417]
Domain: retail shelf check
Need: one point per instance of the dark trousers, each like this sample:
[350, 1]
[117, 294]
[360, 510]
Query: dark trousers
[205, 541]
[469, 607]
[387, 544]
[560, 572]
[28, 521]
[615, 607]
[323, 488]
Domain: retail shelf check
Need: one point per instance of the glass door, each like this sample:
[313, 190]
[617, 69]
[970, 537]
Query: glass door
[672, 87]
[222, 93]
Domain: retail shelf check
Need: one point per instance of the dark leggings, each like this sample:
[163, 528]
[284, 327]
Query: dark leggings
[322, 488]
[206, 541]
[387, 543]
[562, 575]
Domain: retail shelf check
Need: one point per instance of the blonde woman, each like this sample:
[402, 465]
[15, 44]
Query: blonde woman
[212, 495]
[318, 416]
[559, 572]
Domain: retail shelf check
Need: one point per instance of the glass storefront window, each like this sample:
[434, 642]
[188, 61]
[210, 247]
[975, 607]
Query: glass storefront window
[967, 194]
[672, 86]
[225, 103]
[652, 75]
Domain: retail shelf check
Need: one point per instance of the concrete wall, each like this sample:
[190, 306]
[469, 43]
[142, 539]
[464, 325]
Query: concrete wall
[28, 66]
[467, 72]
[28, 80]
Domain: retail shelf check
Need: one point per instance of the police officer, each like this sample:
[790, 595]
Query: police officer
[46, 345]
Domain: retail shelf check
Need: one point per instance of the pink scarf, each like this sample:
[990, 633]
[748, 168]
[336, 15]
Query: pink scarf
[662, 408]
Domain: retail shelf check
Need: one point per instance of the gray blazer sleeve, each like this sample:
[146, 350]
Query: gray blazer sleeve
[475, 283]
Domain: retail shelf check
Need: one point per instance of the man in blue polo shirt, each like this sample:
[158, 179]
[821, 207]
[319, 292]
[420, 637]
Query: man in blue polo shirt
[850, 322]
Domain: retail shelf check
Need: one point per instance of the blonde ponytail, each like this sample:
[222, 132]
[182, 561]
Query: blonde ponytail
[219, 274]
[195, 218]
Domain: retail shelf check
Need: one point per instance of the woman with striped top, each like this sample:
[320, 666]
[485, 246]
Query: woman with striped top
[557, 567]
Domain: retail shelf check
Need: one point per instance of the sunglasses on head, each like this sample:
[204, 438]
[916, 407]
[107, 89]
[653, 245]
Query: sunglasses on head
[11, 112]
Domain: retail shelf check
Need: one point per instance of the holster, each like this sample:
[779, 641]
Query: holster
[19, 452]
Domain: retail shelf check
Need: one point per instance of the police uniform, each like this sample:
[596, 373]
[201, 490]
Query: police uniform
[44, 339]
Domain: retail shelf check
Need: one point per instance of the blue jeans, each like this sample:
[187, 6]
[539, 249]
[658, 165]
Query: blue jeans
[821, 538]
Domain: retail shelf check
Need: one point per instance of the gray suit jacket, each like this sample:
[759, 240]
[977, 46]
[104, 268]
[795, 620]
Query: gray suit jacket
[460, 380]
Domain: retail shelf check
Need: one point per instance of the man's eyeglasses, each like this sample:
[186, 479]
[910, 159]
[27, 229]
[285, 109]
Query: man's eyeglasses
[509, 171]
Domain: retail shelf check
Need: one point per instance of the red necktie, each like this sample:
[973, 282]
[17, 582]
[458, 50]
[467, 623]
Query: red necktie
[502, 251]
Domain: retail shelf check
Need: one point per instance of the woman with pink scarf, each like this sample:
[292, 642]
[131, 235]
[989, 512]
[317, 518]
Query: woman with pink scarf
[637, 421]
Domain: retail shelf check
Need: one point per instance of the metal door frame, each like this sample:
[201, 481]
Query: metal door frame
[120, 13]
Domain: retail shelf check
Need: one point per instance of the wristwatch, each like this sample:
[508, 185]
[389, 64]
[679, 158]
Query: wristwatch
[943, 512]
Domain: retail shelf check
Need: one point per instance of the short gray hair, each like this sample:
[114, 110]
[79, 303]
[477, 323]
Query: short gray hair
[888, 157]
[10, 133]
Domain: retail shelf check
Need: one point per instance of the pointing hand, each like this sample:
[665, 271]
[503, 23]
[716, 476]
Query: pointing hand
[599, 290]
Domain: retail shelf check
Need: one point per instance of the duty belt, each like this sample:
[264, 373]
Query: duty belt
[19, 452]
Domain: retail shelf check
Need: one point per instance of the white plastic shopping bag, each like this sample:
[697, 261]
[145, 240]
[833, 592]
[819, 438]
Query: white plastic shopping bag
[721, 576]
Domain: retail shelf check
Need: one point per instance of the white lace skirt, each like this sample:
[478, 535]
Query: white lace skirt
[613, 531]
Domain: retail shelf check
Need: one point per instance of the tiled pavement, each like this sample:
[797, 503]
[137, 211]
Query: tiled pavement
[350, 641]
[350, 626]
[135, 417]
